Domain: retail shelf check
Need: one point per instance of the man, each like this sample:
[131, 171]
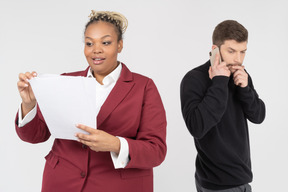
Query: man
[216, 101]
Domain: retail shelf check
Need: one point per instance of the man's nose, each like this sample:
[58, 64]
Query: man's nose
[237, 58]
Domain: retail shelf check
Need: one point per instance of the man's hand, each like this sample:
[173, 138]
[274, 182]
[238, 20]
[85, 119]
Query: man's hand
[98, 140]
[240, 76]
[219, 69]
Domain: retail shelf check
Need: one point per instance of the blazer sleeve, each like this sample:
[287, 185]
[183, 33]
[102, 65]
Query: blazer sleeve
[148, 149]
[36, 131]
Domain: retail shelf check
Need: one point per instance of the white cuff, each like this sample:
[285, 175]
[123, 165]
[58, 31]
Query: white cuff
[29, 117]
[122, 159]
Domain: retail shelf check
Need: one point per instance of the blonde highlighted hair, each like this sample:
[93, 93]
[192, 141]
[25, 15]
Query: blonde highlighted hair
[117, 19]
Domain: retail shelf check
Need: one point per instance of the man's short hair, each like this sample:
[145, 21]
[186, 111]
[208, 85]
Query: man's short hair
[229, 30]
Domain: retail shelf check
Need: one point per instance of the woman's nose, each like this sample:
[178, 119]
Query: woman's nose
[97, 49]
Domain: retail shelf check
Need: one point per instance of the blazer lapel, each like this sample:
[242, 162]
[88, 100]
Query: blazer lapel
[116, 96]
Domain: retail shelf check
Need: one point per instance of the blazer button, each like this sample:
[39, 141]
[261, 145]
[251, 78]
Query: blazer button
[83, 174]
[84, 146]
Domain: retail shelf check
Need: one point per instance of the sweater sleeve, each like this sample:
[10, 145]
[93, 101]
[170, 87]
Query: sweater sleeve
[203, 101]
[253, 106]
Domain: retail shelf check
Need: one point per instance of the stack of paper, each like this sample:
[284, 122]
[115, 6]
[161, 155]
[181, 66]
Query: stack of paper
[66, 101]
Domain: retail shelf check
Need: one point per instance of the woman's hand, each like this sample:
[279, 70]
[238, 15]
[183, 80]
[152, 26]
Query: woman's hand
[98, 140]
[26, 93]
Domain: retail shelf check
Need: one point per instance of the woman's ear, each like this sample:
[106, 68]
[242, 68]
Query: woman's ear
[120, 46]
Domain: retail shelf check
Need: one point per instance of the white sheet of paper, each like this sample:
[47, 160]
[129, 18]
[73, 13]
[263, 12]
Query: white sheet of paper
[64, 102]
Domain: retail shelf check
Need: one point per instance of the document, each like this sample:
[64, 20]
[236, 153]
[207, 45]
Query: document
[64, 102]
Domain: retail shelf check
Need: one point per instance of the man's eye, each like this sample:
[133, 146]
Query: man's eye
[88, 44]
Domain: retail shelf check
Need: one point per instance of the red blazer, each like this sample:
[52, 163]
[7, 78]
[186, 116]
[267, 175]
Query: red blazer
[132, 110]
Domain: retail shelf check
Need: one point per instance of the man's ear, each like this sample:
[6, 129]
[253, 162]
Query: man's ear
[214, 46]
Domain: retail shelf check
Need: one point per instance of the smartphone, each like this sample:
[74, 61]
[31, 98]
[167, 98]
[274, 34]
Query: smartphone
[213, 55]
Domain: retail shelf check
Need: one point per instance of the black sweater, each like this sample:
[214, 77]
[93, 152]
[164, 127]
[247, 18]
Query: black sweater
[216, 112]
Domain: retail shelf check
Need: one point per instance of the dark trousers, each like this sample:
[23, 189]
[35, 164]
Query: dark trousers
[242, 188]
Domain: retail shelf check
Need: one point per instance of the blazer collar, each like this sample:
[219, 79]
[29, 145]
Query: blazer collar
[125, 76]
[85, 72]
[117, 95]
[122, 87]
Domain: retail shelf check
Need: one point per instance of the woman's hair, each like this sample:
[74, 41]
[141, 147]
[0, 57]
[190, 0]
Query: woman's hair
[117, 19]
[229, 30]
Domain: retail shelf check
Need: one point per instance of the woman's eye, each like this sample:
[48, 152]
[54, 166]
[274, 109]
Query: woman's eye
[88, 44]
[106, 42]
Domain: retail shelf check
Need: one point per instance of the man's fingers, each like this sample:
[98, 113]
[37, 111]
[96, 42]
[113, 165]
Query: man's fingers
[210, 72]
[238, 82]
[240, 78]
[216, 62]
[239, 72]
[217, 59]
[236, 73]
[238, 67]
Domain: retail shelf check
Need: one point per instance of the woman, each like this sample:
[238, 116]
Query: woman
[130, 138]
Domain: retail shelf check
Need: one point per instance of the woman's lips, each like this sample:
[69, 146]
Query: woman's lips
[97, 61]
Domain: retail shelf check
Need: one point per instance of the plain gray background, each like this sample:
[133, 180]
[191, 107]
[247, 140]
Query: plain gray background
[164, 40]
